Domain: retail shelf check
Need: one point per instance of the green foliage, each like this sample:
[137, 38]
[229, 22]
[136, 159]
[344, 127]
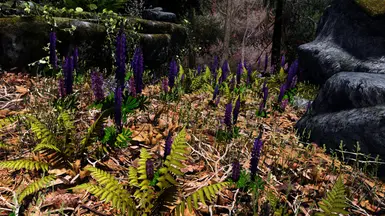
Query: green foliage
[307, 90]
[24, 164]
[70, 102]
[123, 138]
[205, 193]
[95, 5]
[36, 186]
[335, 200]
[8, 121]
[373, 7]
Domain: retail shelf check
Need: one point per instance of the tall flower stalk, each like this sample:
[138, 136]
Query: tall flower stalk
[236, 172]
[167, 146]
[228, 114]
[52, 50]
[120, 57]
[225, 71]
[138, 69]
[236, 110]
[173, 73]
[239, 73]
[255, 155]
[68, 74]
[97, 85]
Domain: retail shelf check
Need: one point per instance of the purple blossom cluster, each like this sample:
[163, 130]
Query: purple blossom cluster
[291, 74]
[68, 68]
[216, 92]
[225, 71]
[120, 57]
[255, 155]
[52, 50]
[173, 73]
[236, 171]
[97, 85]
[228, 112]
[199, 70]
[150, 169]
[239, 73]
[167, 146]
[236, 110]
[138, 68]
[265, 92]
[132, 86]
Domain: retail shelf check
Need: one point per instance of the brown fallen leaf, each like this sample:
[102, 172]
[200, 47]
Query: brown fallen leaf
[22, 90]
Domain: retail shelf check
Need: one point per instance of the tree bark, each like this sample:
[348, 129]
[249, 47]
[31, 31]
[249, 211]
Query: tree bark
[277, 34]
[226, 40]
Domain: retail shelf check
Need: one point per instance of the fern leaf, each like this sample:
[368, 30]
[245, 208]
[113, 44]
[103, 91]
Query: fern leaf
[133, 177]
[67, 120]
[335, 200]
[36, 186]
[24, 164]
[207, 192]
[42, 146]
[118, 200]
[93, 128]
[8, 121]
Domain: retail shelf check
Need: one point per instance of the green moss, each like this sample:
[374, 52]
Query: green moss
[307, 90]
[373, 7]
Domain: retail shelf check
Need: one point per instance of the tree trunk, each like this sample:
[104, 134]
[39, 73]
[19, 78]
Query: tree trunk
[277, 34]
[226, 40]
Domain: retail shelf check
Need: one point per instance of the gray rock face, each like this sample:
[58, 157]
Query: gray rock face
[159, 15]
[349, 107]
[348, 39]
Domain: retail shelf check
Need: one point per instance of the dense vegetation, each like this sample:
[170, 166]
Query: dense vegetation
[215, 138]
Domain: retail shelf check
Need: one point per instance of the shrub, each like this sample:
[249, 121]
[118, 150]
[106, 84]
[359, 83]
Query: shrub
[373, 7]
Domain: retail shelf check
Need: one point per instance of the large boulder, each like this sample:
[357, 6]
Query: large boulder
[22, 40]
[348, 39]
[350, 107]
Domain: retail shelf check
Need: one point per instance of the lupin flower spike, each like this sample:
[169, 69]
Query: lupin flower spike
[239, 72]
[120, 57]
[225, 71]
[150, 169]
[255, 155]
[167, 146]
[281, 92]
[237, 108]
[236, 172]
[97, 85]
[173, 73]
[228, 112]
[52, 50]
[216, 92]
[68, 75]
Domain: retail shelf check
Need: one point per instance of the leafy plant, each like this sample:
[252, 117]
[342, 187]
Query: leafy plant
[335, 200]
[149, 188]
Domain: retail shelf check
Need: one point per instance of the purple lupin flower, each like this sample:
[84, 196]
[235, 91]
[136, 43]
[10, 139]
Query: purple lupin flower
[97, 85]
[132, 86]
[283, 61]
[118, 108]
[255, 155]
[292, 72]
[294, 81]
[236, 110]
[68, 75]
[266, 63]
[265, 91]
[239, 73]
[167, 146]
[76, 58]
[228, 120]
[281, 93]
[52, 50]
[61, 88]
[150, 169]
[284, 104]
[173, 73]
[165, 85]
[236, 172]
[225, 71]
[216, 92]
[261, 108]
[120, 57]
[199, 70]
[137, 65]
[249, 74]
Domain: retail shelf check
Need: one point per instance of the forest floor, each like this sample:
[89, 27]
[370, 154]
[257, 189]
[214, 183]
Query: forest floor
[297, 174]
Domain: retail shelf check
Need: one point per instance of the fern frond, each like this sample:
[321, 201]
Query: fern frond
[118, 200]
[205, 193]
[133, 177]
[94, 127]
[67, 120]
[123, 138]
[42, 132]
[335, 200]
[172, 165]
[24, 164]
[4, 146]
[8, 121]
[207, 74]
[36, 186]
[42, 146]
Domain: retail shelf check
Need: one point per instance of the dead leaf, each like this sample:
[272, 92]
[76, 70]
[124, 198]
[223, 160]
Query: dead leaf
[22, 90]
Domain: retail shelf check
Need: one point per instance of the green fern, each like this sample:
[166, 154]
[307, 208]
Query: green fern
[8, 120]
[24, 164]
[110, 190]
[123, 138]
[36, 186]
[67, 121]
[205, 193]
[42, 132]
[335, 200]
[94, 127]
[4, 146]
[172, 165]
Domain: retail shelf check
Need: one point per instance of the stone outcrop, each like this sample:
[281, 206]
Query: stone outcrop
[22, 40]
[348, 39]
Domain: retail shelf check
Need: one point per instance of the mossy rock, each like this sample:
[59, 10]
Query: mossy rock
[23, 38]
[373, 7]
